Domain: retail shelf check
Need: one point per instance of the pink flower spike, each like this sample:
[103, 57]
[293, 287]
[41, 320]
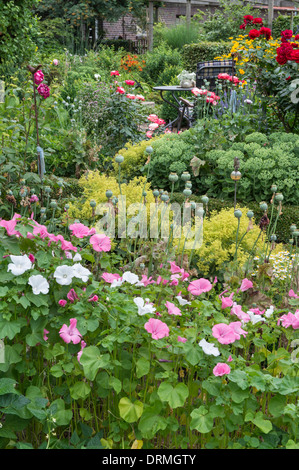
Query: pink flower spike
[62, 302]
[70, 334]
[172, 309]
[45, 335]
[246, 284]
[199, 286]
[223, 333]
[100, 242]
[221, 369]
[157, 328]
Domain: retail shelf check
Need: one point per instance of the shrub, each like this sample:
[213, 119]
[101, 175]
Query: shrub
[194, 53]
[159, 60]
[177, 36]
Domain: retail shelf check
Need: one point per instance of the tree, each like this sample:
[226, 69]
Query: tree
[18, 29]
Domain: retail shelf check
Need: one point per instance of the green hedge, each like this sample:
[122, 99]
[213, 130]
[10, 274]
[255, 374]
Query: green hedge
[290, 214]
[194, 53]
[283, 22]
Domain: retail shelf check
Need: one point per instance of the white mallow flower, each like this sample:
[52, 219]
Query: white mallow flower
[129, 277]
[144, 308]
[39, 284]
[19, 265]
[255, 318]
[182, 301]
[64, 275]
[209, 348]
[81, 272]
[116, 282]
[269, 311]
[77, 257]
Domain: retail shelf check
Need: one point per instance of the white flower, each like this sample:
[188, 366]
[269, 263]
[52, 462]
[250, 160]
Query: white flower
[209, 348]
[248, 101]
[39, 284]
[64, 275]
[81, 272]
[255, 318]
[97, 76]
[77, 257]
[144, 308]
[129, 277]
[269, 311]
[182, 301]
[19, 264]
[116, 282]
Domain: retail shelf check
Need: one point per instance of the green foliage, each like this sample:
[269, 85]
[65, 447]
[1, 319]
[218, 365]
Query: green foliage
[157, 61]
[283, 22]
[17, 29]
[178, 35]
[202, 51]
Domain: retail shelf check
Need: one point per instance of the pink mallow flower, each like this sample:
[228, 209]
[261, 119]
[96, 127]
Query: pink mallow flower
[224, 333]
[80, 230]
[199, 286]
[109, 277]
[236, 326]
[70, 334]
[172, 309]
[292, 294]
[45, 335]
[221, 369]
[227, 301]
[246, 284]
[72, 296]
[130, 82]
[157, 328]
[290, 319]
[62, 302]
[43, 90]
[9, 225]
[181, 339]
[100, 242]
[83, 344]
[237, 310]
[94, 298]
[38, 77]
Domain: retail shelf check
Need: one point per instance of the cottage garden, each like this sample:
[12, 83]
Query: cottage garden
[114, 333]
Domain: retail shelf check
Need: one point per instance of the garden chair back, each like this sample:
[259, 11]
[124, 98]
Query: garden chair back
[209, 71]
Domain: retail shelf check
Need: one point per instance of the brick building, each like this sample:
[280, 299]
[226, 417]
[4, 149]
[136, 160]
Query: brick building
[127, 28]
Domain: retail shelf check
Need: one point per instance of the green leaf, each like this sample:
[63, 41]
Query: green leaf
[129, 411]
[80, 390]
[202, 420]
[92, 361]
[263, 424]
[115, 384]
[11, 329]
[7, 386]
[63, 417]
[276, 405]
[174, 396]
[142, 367]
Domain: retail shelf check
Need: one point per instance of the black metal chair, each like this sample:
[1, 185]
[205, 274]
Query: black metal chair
[209, 71]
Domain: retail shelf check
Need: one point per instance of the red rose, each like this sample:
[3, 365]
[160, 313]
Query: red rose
[294, 45]
[297, 37]
[243, 26]
[287, 34]
[295, 56]
[247, 19]
[257, 21]
[265, 32]
[253, 34]
[281, 59]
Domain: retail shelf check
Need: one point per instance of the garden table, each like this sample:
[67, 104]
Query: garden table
[182, 111]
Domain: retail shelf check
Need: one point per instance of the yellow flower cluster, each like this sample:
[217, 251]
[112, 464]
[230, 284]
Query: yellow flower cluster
[95, 185]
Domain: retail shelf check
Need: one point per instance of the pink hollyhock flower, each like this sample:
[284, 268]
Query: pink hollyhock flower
[72, 296]
[140, 97]
[236, 326]
[227, 301]
[31, 257]
[93, 299]
[109, 277]
[199, 286]
[246, 284]
[120, 90]
[149, 134]
[62, 302]
[43, 90]
[153, 126]
[221, 369]
[292, 294]
[224, 76]
[55, 61]
[70, 334]
[114, 72]
[196, 91]
[237, 310]
[38, 77]
[161, 122]
[157, 328]
[83, 344]
[130, 96]
[181, 339]
[130, 82]
[100, 242]
[79, 230]
[45, 335]
[223, 333]
[172, 309]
